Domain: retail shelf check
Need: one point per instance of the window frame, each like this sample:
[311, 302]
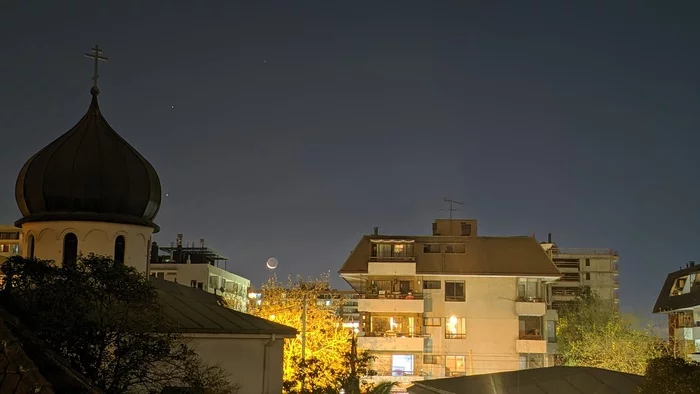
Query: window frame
[455, 298]
[70, 249]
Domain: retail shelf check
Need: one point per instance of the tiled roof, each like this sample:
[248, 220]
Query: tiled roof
[552, 380]
[484, 256]
[194, 311]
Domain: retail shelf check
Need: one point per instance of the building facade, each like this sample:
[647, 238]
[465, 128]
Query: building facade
[596, 268]
[452, 305]
[10, 240]
[679, 299]
[199, 266]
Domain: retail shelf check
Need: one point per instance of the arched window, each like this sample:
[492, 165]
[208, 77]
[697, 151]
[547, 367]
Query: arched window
[30, 247]
[119, 247]
[70, 249]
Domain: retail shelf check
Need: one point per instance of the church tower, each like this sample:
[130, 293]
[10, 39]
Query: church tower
[88, 191]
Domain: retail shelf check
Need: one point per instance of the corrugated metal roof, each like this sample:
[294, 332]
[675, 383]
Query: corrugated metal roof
[194, 311]
[551, 380]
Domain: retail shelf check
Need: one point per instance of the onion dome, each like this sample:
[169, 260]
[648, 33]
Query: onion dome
[89, 173]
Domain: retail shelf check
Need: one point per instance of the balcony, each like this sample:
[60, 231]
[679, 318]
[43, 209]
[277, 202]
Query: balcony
[391, 267]
[531, 344]
[388, 303]
[398, 343]
[687, 333]
[530, 307]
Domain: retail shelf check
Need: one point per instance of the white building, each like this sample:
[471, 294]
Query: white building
[452, 305]
[199, 267]
[679, 299]
[10, 240]
[89, 191]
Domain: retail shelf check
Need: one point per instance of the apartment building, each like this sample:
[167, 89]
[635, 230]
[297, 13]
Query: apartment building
[10, 238]
[346, 304]
[452, 303]
[596, 268]
[679, 299]
[198, 266]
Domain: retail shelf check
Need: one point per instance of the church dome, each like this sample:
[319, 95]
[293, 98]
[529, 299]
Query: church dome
[89, 173]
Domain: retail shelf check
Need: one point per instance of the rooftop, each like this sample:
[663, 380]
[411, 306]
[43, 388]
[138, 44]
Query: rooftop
[197, 312]
[551, 380]
[681, 290]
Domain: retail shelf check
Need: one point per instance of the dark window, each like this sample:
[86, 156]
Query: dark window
[454, 291]
[432, 322]
[455, 248]
[70, 249]
[431, 284]
[431, 248]
[588, 276]
[30, 247]
[466, 229]
[588, 262]
[119, 247]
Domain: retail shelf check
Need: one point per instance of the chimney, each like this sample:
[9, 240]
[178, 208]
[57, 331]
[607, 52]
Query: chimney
[692, 263]
[549, 238]
[179, 240]
[376, 231]
[201, 242]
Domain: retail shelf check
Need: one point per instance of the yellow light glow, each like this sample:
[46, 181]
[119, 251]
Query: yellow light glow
[452, 325]
[272, 317]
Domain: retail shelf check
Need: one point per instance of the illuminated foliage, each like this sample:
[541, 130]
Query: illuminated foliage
[591, 334]
[327, 342]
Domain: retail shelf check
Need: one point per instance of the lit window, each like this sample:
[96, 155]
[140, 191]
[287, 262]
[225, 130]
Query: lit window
[455, 366]
[455, 328]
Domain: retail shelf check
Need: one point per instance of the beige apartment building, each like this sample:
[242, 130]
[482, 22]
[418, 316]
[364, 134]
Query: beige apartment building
[596, 268]
[10, 239]
[452, 303]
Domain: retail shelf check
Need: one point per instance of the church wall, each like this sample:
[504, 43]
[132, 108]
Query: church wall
[248, 371]
[93, 237]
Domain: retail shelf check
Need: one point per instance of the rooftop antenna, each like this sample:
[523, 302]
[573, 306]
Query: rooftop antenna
[452, 206]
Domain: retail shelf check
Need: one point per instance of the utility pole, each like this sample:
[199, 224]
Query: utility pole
[303, 329]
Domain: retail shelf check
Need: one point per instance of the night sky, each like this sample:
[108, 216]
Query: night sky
[289, 129]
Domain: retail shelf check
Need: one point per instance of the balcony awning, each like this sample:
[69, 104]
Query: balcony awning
[392, 241]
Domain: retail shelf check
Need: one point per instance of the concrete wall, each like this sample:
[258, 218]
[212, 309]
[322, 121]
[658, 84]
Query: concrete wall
[93, 237]
[257, 368]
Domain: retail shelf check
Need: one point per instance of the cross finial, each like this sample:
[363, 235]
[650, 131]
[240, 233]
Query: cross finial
[96, 51]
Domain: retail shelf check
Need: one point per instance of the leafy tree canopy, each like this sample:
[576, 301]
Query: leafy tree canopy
[104, 318]
[591, 333]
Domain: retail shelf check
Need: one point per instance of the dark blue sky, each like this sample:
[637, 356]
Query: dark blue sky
[297, 126]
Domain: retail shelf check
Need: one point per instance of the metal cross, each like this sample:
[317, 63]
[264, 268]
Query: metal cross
[96, 51]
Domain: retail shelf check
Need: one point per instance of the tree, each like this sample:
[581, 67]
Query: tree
[592, 334]
[670, 375]
[327, 342]
[104, 318]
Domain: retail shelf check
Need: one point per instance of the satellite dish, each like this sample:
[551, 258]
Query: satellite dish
[271, 263]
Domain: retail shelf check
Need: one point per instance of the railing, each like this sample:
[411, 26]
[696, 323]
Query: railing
[590, 251]
[392, 296]
[449, 335]
[530, 299]
[389, 334]
[392, 258]
[393, 372]
[531, 337]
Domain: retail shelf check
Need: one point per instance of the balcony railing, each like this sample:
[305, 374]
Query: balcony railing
[589, 251]
[392, 334]
[529, 299]
[392, 258]
[392, 296]
[393, 372]
[531, 337]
